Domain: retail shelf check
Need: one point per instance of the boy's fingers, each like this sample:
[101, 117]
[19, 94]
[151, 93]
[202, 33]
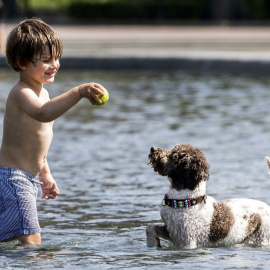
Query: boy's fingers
[48, 196]
[95, 98]
[99, 89]
[56, 192]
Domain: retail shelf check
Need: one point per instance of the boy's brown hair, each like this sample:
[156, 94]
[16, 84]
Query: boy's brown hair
[27, 41]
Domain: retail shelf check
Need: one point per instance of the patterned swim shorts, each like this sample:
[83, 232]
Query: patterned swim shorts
[18, 210]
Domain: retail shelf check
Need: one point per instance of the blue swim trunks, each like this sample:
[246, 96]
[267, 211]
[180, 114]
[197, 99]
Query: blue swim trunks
[18, 210]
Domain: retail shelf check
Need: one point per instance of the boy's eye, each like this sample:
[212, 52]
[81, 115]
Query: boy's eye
[49, 59]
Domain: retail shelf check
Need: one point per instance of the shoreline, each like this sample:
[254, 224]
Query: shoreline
[200, 49]
[201, 66]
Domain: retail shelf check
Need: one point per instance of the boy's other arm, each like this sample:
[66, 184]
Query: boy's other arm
[50, 110]
[49, 186]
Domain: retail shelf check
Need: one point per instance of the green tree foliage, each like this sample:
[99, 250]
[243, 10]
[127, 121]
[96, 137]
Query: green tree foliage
[193, 10]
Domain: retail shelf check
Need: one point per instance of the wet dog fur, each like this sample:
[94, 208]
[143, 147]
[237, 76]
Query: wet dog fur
[209, 223]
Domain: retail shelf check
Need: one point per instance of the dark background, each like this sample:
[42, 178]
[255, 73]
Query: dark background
[232, 12]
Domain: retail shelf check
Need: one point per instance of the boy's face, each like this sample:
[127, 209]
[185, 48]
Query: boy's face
[43, 68]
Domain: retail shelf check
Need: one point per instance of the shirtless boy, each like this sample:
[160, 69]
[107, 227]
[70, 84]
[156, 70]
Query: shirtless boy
[33, 50]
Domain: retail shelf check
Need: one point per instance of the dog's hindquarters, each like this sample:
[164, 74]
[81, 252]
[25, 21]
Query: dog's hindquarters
[251, 222]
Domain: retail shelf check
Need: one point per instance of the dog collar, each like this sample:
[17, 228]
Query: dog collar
[182, 203]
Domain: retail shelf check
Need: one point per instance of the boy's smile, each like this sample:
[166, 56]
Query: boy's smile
[51, 74]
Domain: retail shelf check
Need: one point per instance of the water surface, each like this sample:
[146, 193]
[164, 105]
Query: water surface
[109, 194]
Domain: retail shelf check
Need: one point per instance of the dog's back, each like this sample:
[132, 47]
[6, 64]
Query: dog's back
[216, 223]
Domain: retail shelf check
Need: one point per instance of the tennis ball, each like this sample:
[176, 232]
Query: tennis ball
[104, 98]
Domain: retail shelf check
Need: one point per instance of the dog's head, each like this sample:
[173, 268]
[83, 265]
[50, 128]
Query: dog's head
[185, 165]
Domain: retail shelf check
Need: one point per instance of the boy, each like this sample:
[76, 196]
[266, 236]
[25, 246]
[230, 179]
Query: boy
[33, 49]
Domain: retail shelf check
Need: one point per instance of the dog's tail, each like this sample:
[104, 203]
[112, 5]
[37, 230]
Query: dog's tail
[268, 163]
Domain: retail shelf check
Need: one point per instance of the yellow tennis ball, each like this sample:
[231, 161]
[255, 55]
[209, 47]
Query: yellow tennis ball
[104, 98]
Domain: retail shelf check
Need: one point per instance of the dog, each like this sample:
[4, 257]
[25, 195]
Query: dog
[193, 219]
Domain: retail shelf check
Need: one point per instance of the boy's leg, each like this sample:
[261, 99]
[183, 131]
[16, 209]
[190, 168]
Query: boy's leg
[30, 239]
[27, 239]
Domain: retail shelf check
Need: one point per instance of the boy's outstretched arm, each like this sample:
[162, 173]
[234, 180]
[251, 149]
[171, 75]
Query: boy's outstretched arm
[49, 186]
[52, 109]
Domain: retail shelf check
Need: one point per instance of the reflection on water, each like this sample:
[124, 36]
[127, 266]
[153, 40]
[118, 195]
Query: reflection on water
[99, 158]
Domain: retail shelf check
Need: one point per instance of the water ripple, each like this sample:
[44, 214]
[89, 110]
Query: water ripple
[109, 194]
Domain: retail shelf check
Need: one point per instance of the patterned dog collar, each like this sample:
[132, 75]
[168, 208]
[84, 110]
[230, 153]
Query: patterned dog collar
[182, 203]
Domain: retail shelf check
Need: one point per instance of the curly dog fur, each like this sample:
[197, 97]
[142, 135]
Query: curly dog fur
[208, 223]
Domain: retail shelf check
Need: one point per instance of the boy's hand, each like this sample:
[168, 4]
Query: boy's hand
[90, 91]
[49, 187]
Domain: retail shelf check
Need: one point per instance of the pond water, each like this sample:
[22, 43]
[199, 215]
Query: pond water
[109, 194]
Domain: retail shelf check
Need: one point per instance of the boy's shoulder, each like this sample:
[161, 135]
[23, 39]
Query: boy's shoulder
[25, 89]
[22, 93]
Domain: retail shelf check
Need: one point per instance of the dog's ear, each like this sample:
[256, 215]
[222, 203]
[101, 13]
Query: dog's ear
[158, 158]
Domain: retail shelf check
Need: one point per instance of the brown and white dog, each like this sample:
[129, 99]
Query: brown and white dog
[191, 218]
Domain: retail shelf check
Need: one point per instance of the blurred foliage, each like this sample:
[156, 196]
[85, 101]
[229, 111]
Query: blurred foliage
[195, 10]
[140, 9]
[259, 9]
[34, 5]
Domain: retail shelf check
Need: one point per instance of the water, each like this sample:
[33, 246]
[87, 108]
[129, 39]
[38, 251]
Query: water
[109, 194]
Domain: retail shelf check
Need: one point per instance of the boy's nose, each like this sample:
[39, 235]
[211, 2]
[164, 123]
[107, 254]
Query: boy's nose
[55, 63]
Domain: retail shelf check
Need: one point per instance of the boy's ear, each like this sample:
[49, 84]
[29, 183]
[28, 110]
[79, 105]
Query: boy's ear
[22, 65]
